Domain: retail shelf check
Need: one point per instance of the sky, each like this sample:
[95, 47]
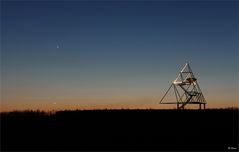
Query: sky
[115, 54]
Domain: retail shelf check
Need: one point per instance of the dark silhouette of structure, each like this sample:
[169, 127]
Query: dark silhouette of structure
[186, 90]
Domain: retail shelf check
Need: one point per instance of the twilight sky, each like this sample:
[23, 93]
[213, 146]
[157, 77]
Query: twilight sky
[107, 54]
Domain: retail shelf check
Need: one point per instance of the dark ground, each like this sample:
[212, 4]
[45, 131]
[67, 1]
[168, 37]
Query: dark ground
[181, 130]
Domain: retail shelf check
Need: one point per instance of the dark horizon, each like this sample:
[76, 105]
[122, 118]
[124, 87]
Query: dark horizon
[141, 130]
[119, 109]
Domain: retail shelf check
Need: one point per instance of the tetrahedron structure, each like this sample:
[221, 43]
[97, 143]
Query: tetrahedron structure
[186, 90]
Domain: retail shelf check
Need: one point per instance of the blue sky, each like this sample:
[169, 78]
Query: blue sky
[103, 52]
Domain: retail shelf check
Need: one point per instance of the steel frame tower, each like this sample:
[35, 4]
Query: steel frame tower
[186, 90]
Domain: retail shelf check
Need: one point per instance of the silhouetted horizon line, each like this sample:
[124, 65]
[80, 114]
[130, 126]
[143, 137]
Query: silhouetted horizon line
[113, 109]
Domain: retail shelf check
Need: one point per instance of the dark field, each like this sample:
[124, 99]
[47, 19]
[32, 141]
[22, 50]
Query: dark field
[183, 130]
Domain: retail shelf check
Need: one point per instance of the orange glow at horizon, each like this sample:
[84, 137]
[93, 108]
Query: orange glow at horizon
[74, 104]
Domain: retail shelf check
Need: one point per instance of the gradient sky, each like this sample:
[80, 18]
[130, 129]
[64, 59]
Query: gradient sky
[109, 54]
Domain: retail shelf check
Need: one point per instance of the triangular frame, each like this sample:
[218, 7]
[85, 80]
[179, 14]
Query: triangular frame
[189, 87]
